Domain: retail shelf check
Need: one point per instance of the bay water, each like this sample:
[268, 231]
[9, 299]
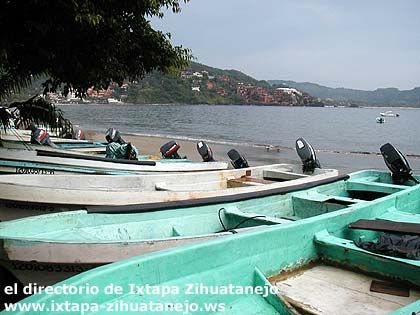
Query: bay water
[340, 131]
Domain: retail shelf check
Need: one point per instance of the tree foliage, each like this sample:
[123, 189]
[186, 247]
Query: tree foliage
[83, 43]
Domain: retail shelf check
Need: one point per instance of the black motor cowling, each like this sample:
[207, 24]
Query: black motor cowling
[238, 161]
[170, 150]
[397, 164]
[307, 154]
[78, 134]
[113, 135]
[205, 151]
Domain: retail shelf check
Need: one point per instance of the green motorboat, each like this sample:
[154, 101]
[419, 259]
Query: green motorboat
[312, 266]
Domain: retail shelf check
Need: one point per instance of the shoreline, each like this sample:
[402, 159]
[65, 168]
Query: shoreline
[257, 155]
[233, 144]
[260, 105]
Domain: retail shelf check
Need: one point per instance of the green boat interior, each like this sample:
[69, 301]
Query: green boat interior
[339, 278]
[324, 274]
[344, 274]
[329, 273]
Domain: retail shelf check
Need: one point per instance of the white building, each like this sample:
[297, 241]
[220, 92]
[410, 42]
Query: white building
[289, 91]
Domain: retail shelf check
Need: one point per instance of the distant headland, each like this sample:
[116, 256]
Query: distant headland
[201, 84]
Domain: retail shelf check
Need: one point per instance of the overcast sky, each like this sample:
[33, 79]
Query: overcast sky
[355, 44]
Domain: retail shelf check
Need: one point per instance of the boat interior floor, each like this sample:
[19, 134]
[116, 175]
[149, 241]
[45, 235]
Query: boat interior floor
[345, 279]
[326, 289]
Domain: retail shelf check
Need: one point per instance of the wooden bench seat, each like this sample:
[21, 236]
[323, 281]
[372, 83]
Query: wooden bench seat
[386, 226]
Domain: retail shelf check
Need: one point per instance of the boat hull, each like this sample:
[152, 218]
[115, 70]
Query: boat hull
[46, 269]
[83, 147]
[34, 195]
[95, 165]
[21, 139]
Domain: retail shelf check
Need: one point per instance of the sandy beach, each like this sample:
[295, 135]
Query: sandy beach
[345, 163]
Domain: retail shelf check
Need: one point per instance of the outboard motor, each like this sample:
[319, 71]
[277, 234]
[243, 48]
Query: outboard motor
[113, 135]
[237, 160]
[125, 151]
[66, 135]
[205, 151]
[130, 152]
[307, 154]
[40, 136]
[397, 164]
[78, 134]
[170, 150]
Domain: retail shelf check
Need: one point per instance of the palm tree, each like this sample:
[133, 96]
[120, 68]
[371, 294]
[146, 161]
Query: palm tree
[35, 110]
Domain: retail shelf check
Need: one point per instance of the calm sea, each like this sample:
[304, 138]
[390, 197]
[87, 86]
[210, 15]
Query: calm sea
[340, 130]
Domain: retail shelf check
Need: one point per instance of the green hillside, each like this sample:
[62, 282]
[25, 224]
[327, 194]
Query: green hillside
[196, 84]
[201, 84]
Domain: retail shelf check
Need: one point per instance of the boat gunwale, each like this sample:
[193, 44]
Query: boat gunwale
[154, 206]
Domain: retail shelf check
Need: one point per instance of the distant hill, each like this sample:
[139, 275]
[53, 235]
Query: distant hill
[196, 84]
[378, 97]
[201, 84]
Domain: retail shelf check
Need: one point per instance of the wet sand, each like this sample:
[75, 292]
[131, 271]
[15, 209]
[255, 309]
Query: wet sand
[345, 163]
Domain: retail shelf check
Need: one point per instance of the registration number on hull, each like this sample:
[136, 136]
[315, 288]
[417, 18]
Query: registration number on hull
[34, 171]
[42, 267]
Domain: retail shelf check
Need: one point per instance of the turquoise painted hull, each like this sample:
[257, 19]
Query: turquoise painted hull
[254, 260]
[69, 146]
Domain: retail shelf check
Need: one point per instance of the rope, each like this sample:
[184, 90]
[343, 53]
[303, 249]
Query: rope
[20, 138]
[239, 224]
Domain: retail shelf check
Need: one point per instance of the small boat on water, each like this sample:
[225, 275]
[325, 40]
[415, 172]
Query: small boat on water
[114, 101]
[380, 120]
[73, 241]
[22, 196]
[317, 265]
[389, 113]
